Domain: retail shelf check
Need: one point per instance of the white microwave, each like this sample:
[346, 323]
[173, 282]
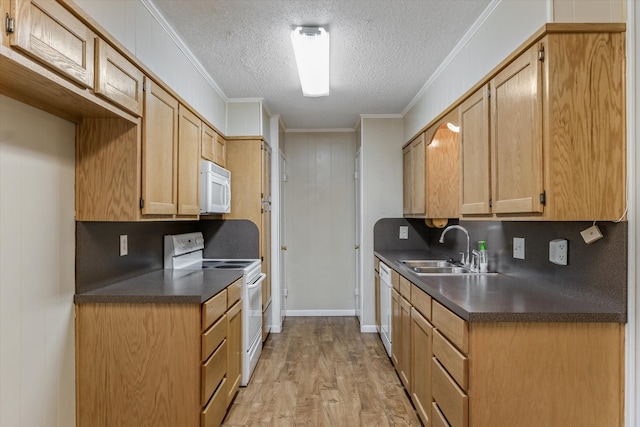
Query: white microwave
[215, 188]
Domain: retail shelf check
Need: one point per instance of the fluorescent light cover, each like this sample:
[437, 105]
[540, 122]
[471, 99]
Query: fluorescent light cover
[311, 47]
[453, 128]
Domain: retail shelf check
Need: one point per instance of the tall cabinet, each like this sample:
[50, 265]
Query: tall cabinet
[249, 160]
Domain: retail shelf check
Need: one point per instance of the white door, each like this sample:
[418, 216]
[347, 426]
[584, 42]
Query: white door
[320, 208]
[283, 237]
[358, 252]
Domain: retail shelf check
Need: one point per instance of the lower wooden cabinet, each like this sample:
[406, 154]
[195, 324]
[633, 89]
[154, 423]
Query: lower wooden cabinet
[487, 374]
[421, 334]
[142, 364]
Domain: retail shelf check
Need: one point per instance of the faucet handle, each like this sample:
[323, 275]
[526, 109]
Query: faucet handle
[462, 258]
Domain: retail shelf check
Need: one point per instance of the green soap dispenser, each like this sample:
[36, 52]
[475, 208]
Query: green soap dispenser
[483, 260]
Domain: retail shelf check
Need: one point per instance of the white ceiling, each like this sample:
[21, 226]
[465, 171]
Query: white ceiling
[382, 51]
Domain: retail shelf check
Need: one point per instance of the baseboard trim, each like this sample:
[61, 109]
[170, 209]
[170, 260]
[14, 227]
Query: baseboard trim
[335, 313]
[368, 329]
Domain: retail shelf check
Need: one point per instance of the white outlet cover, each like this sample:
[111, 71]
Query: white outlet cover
[558, 251]
[404, 232]
[124, 245]
[518, 247]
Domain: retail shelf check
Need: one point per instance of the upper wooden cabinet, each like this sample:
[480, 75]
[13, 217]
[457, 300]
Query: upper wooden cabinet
[442, 172]
[49, 33]
[213, 146]
[413, 177]
[117, 79]
[159, 152]
[552, 134]
[188, 162]
[475, 170]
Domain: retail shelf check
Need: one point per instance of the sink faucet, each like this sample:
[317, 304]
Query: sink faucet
[465, 256]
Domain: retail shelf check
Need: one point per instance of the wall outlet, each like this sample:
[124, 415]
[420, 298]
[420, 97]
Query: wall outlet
[518, 247]
[124, 245]
[558, 249]
[404, 232]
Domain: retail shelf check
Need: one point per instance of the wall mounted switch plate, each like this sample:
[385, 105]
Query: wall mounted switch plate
[558, 249]
[518, 247]
[124, 245]
[404, 232]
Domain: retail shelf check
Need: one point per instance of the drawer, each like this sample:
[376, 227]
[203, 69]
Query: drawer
[437, 419]
[213, 371]
[215, 411]
[421, 301]
[451, 400]
[405, 288]
[451, 359]
[212, 338]
[451, 326]
[234, 293]
[395, 280]
[213, 308]
[376, 263]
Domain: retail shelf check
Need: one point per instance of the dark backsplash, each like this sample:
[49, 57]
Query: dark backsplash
[597, 271]
[97, 247]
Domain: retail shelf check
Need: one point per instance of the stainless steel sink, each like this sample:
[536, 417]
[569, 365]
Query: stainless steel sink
[438, 267]
[426, 263]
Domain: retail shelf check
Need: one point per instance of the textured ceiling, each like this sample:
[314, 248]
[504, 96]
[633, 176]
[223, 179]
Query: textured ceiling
[382, 51]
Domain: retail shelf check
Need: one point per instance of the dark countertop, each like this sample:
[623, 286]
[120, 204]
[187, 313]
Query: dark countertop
[501, 298]
[164, 286]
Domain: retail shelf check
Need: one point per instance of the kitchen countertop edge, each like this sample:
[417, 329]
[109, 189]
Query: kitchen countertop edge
[163, 287]
[476, 309]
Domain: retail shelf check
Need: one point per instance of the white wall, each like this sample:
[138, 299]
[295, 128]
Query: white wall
[147, 36]
[381, 180]
[37, 275]
[244, 118]
[320, 222]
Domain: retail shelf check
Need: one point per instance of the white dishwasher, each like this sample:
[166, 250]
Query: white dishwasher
[385, 306]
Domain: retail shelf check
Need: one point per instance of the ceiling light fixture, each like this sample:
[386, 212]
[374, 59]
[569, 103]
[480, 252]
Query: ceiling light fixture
[311, 47]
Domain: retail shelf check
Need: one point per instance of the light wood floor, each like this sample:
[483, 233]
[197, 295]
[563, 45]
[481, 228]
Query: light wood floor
[321, 371]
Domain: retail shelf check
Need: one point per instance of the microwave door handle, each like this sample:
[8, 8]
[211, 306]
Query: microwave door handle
[227, 193]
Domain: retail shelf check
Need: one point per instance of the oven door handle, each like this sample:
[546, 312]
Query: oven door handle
[257, 282]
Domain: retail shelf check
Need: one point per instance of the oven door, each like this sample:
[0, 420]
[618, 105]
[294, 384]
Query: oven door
[252, 321]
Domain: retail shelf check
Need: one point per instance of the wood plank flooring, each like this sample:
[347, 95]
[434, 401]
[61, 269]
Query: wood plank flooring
[321, 371]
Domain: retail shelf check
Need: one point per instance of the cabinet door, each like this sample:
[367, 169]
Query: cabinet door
[49, 33]
[475, 175]
[395, 328]
[407, 181]
[188, 163]
[377, 299]
[421, 342]
[234, 350]
[159, 151]
[220, 151]
[208, 141]
[405, 344]
[442, 174]
[418, 160]
[117, 79]
[516, 136]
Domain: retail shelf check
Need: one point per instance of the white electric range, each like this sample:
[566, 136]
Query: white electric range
[185, 251]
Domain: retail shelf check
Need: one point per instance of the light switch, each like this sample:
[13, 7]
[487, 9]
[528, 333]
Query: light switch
[124, 245]
[404, 232]
[518, 247]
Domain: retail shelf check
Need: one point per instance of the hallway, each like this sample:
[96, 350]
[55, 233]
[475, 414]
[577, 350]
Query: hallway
[321, 371]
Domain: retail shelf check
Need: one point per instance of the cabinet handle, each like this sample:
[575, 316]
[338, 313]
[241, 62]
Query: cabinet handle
[283, 247]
